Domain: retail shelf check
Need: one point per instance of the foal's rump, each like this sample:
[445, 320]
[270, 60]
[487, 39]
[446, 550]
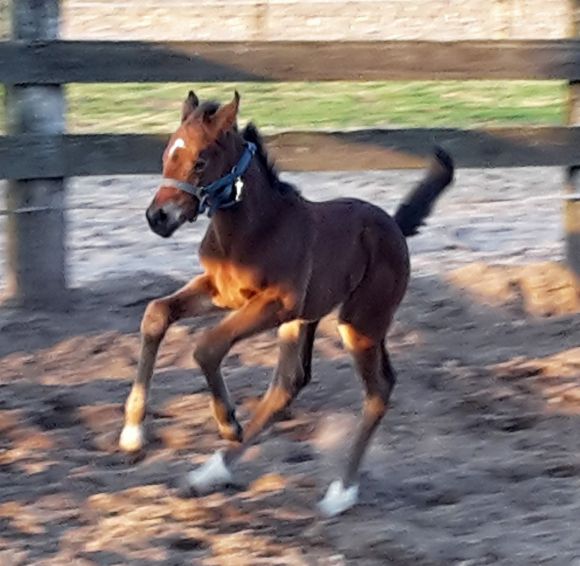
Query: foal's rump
[371, 305]
[359, 252]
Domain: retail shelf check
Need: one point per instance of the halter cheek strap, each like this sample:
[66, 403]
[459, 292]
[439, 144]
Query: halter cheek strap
[222, 193]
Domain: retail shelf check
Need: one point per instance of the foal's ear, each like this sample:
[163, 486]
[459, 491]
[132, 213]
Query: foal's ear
[189, 105]
[226, 115]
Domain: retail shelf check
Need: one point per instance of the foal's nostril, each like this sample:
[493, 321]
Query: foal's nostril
[156, 217]
[162, 220]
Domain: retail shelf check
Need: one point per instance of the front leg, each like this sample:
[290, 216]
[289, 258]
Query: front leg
[259, 314]
[194, 299]
[291, 375]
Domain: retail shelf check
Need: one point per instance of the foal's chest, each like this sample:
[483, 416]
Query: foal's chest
[234, 285]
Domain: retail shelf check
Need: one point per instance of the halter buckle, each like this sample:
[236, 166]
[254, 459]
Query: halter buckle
[239, 186]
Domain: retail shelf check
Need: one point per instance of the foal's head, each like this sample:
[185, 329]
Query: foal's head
[200, 151]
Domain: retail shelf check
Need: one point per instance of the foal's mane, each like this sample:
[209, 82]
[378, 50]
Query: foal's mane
[251, 134]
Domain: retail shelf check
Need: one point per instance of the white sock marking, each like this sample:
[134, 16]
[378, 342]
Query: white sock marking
[210, 474]
[338, 499]
[132, 438]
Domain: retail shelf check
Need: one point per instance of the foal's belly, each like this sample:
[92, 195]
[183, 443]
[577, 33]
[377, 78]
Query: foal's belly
[329, 290]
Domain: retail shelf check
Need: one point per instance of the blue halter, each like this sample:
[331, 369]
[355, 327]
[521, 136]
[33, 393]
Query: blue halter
[223, 193]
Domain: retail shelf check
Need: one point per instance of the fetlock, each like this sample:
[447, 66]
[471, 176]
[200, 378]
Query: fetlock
[225, 417]
[231, 431]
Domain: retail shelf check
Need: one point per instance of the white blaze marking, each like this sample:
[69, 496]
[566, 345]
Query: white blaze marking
[176, 145]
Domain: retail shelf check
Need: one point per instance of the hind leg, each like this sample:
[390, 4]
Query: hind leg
[364, 321]
[373, 366]
[294, 367]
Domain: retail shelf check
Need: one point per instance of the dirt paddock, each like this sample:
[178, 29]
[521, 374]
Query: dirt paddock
[478, 459]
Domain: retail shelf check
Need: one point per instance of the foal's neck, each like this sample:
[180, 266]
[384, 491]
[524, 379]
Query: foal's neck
[257, 210]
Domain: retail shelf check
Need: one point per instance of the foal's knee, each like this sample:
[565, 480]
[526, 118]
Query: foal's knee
[209, 353]
[376, 405]
[156, 320]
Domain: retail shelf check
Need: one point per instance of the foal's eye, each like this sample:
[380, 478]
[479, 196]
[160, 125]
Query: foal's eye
[199, 165]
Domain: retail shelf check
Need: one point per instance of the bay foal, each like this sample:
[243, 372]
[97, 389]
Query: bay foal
[275, 260]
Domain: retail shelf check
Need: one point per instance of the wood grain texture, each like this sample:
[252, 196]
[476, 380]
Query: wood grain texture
[33, 156]
[571, 209]
[58, 62]
[36, 251]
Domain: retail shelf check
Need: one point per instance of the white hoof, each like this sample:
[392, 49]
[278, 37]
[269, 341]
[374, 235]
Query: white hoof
[338, 499]
[213, 473]
[132, 438]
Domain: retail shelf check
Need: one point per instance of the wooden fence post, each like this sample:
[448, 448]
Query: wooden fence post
[572, 188]
[36, 271]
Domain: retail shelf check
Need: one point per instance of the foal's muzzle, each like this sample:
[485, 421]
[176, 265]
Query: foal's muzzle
[164, 220]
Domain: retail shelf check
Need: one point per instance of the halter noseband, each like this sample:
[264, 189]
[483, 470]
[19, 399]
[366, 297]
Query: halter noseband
[223, 193]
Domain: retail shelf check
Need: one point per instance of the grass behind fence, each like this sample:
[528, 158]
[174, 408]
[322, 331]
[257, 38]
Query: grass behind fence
[275, 106]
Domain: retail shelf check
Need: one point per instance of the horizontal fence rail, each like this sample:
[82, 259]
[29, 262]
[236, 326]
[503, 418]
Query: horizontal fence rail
[37, 156]
[59, 62]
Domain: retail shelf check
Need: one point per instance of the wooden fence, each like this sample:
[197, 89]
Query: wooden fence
[37, 155]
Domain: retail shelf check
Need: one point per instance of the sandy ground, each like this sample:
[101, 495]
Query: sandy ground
[476, 463]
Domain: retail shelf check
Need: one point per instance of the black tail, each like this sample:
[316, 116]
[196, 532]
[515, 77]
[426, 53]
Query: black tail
[417, 205]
